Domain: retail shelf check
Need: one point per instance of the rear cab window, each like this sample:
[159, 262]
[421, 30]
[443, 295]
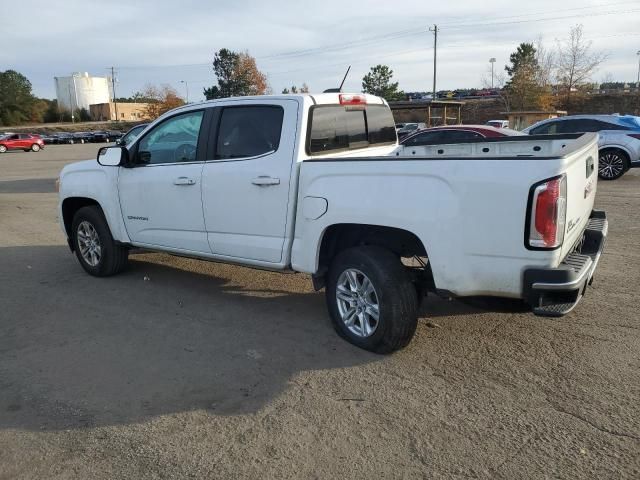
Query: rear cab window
[335, 128]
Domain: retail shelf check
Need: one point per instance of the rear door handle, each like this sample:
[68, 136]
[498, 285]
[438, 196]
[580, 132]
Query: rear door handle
[184, 181]
[264, 180]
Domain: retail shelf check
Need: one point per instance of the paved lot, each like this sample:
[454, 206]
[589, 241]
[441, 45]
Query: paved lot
[214, 371]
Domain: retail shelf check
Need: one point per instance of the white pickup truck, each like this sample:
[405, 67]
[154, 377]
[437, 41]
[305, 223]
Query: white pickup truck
[318, 184]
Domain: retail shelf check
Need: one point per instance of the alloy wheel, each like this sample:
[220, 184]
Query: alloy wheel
[358, 303]
[611, 165]
[89, 243]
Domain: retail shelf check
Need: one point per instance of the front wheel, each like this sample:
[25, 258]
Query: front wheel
[35, 147]
[3, 149]
[371, 299]
[94, 246]
[612, 164]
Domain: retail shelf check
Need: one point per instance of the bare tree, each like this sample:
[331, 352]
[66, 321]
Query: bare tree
[159, 100]
[497, 83]
[545, 60]
[576, 62]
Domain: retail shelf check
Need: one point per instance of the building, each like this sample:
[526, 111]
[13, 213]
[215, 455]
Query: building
[521, 120]
[126, 112]
[80, 90]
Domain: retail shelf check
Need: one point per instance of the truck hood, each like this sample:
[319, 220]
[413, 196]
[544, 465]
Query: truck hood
[81, 166]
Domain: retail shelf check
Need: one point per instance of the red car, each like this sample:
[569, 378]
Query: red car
[21, 141]
[455, 133]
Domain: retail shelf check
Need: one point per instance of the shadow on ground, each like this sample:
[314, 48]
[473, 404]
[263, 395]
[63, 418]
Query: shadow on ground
[32, 185]
[161, 338]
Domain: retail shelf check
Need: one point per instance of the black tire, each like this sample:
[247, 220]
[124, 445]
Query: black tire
[35, 147]
[113, 257]
[396, 295]
[616, 159]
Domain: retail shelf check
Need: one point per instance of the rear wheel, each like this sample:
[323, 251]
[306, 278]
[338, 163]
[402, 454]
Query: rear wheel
[94, 246]
[35, 147]
[371, 299]
[3, 149]
[612, 163]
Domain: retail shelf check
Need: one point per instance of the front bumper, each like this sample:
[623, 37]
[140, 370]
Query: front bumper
[553, 292]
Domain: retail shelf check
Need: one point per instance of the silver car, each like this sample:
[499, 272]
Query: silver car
[619, 142]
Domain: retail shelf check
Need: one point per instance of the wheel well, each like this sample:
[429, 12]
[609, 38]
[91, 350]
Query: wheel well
[617, 149]
[346, 235]
[69, 208]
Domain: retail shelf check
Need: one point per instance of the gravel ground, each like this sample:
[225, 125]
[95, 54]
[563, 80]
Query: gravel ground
[181, 369]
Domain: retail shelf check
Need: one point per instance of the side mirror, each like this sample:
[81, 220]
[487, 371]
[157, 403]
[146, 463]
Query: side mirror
[113, 156]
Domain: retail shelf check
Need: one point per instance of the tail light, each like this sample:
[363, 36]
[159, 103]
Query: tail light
[547, 213]
[348, 99]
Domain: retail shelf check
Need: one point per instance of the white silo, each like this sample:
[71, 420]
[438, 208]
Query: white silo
[80, 90]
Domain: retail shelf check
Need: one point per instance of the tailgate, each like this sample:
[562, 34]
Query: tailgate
[582, 177]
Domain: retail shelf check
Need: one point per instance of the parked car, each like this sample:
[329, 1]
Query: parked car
[114, 135]
[619, 142]
[409, 128]
[65, 138]
[312, 184]
[453, 133]
[21, 141]
[99, 136]
[498, 123]
[132, 134]
[82, 137]
[48, 138]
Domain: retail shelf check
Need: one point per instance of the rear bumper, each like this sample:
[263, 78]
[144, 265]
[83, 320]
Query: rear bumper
[554, 292]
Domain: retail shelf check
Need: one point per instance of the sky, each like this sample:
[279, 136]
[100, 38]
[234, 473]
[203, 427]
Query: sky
[173, 42]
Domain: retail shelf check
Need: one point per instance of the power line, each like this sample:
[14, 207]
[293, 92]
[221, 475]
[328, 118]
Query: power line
[392, 36]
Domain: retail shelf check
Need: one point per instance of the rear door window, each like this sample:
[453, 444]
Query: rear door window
[249, 131]
[424, 138]
[457, 135]
[546, 129]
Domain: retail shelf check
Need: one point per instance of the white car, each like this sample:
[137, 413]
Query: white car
[619, 139]
[498, 123]
[315, 184]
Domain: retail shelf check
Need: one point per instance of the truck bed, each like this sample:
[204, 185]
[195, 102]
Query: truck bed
[466, 202]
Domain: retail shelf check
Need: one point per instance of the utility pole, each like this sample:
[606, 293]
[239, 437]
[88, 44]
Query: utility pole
[113, 87]
[75, 93]
[71, 104]
[638, 82]
[492, 61]
[434, 29]
[186, 86]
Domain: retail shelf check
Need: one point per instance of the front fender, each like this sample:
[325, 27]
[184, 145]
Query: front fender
[89, 180]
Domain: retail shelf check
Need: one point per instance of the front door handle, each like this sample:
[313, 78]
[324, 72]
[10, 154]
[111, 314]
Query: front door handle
[184, 181]
[264, 180]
